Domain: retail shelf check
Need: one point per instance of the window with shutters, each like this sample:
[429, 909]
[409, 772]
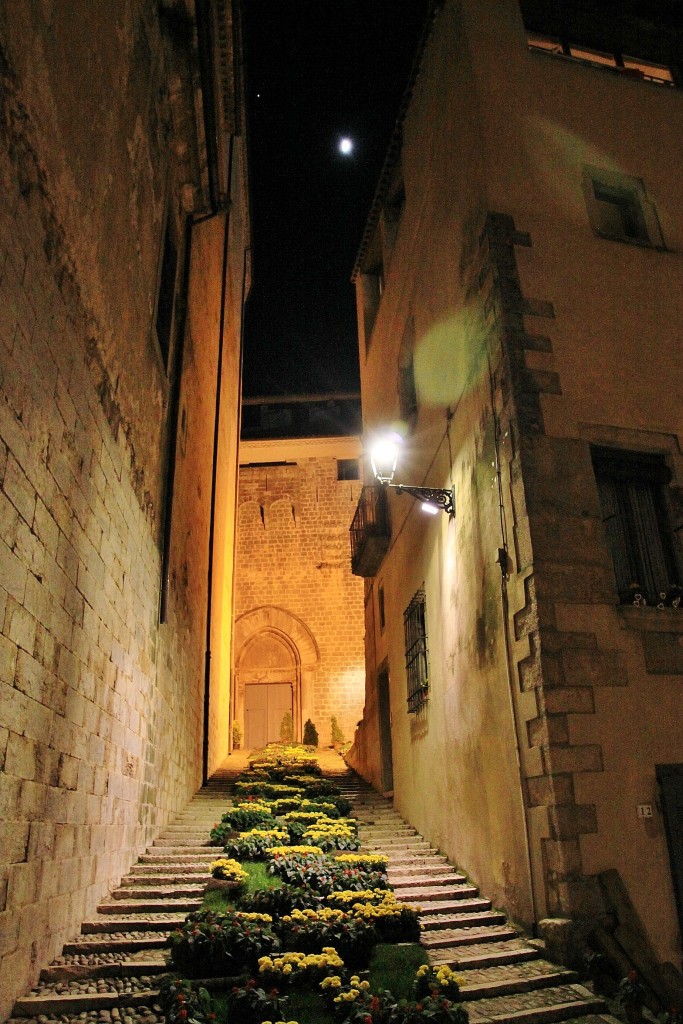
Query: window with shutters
[632, 488]
[417, 670]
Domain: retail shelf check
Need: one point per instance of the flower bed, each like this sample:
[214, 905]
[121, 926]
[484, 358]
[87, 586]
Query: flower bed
[330, 907]
[211, 945]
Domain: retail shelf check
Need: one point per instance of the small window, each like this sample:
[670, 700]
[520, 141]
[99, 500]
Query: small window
[639, 68]
[380, 606]
[415, 634]
[606, 60]
[347, 469]
[407, 392]
[632, 489]
[547, 44]
[619, 209]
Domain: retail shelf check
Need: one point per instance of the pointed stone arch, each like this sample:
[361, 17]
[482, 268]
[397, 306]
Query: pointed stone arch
[274, 646]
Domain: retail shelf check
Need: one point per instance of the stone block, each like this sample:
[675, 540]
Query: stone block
[13, 573]
[565, 940]
[32, 799]
[20, 759]
[19, 490]
[20, 627]
[562, 857]
[586, 758]
[14, 841]
[576, 700]
[22, 884]
[594, 668]
[664, 653]
[543, 790]
[568, 821]
[547, 729]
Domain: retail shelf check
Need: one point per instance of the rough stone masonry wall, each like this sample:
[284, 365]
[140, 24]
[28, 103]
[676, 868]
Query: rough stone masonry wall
[100, 709]
[293, 553]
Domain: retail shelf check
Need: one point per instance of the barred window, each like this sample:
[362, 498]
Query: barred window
[631, 486]
[417, 671]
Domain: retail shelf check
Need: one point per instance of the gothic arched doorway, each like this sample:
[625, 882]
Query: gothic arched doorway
[276, 659]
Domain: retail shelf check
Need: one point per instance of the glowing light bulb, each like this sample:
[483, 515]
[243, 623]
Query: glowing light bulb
[345, 146]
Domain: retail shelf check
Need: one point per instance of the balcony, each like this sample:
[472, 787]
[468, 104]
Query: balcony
[370, 532]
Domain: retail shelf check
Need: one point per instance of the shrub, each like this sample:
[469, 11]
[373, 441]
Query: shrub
[355, 1003]
[287, 727]
[310, 734]
[182, 1003]
[298, 969]
[210, 944]
[322, 874]
[337, 734]
[228, 871]
[236, 735]
[244, 818]
[266, 788]
[368, 861]
[279, 901]
[311, 931]
[438, 981]
[332, 835]
[249, 1004]
[254, 845]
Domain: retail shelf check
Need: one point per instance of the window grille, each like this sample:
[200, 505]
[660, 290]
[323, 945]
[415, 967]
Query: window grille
[417, 671]
[631, 486]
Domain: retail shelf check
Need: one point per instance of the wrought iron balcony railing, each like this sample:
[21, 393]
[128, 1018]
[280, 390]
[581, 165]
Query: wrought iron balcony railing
[370, 532]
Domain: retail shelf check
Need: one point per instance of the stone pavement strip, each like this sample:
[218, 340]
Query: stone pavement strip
[110, 973]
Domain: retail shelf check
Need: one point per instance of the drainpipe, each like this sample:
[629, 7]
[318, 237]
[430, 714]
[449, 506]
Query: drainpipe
[214, 469]
[243, 303]
[503, 562]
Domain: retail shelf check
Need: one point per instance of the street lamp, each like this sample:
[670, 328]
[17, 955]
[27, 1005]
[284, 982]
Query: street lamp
[384, 458]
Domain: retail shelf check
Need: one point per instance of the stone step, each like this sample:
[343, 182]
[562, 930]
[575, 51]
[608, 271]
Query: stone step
[133, 942]
[445, 921]
[163, 857]
[438, 910]
[164, 878]
[175, 868]
[416, 846]
[448, 938]
[172, 891]
[56, 1005]
[433, 892]
[419, 880]
[513, 978]
[174, 846]
[149, 906]
[131, 923]
[123, 969]
[483, 954]
[540, 1006]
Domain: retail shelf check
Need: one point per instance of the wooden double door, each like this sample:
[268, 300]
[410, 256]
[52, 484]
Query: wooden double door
[265, 706]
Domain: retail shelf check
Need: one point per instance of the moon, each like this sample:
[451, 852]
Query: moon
[346, 146]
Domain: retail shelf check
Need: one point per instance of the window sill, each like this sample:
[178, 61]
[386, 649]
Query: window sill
[652, 620]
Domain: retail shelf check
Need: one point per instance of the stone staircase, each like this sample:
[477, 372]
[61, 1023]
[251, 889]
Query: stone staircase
[110, 973]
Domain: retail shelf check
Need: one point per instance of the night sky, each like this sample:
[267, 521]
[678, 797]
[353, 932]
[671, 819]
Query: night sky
[317, 70]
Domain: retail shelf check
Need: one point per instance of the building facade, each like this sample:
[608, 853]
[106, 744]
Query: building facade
[298, 635]
[520, 290]
[123, 270]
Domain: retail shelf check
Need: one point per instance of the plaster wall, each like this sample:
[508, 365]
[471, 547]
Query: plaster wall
[614, 357]
[293, 576]
[100, 705]
[456, 776]
[580, 335]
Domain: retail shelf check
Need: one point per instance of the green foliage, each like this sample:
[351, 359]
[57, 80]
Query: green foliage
[182, 1003]
[352, 938]
[310, 734]
[394, 967]
[210, 944]
[337, 734]
[269, 790]
[253, 845]
[249, 1004]
[287, 728]
[236, 735]
[322, 874]
[243, 819]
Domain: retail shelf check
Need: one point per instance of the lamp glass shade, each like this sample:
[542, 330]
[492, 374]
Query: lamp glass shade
[384, 456]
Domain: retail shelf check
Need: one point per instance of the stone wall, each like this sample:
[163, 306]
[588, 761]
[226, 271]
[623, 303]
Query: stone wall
[293, 577]
[100, 705]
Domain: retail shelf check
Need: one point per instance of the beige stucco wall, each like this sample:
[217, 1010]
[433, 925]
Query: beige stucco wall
[494, 129]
